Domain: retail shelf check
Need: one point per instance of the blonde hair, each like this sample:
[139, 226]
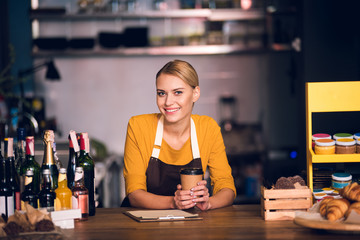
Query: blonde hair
[182, 70]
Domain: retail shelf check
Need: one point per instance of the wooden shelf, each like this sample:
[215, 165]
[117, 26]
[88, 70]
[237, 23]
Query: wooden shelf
[211, 15]
[333, 158]
[157, 51]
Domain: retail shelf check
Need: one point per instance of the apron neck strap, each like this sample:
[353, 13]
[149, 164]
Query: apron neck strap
[159, 136]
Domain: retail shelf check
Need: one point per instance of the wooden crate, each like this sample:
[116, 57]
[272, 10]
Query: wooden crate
[281, 204]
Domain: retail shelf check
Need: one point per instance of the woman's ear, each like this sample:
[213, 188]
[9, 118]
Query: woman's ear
[196, 93]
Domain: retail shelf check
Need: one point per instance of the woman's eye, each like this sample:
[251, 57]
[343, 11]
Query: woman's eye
[160, 94]
[178, 92]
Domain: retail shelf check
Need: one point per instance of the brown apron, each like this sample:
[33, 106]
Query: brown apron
[162, 178]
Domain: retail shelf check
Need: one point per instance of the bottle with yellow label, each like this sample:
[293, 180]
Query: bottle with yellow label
[63, 193]
[28, 195]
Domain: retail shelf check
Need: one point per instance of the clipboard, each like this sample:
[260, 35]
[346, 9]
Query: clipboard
[162, 215]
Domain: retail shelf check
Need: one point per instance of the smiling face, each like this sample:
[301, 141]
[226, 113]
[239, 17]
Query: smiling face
[175, 98]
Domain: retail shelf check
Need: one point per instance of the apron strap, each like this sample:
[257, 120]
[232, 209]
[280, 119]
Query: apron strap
[194, 141]
[159, 136]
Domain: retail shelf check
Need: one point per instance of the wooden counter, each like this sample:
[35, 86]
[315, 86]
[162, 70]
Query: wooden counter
[235, 222]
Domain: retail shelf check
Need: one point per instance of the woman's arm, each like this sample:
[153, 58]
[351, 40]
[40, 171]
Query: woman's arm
[142, 199]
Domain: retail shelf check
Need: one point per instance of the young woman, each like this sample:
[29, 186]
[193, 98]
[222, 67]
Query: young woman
[158, 145]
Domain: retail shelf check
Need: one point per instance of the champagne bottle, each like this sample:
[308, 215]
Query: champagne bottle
[47, 195]
[87, 163]
[63, 193]
[80, 195]
[48, 160]
[28, 195]
[13, 176]
[31, 164]
[20, 152]
[6, 193]
[73, 158]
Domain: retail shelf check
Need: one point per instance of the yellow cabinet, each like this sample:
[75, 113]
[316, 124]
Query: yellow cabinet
[329, 97]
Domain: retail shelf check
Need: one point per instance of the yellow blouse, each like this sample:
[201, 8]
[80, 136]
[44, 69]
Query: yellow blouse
[139, 144]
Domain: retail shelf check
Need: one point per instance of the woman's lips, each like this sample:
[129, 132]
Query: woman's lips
[171, 110]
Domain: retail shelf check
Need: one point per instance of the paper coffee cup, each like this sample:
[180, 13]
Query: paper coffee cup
[190, 177]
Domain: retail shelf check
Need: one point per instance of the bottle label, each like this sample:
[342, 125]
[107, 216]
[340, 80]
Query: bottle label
[7, 205]
[62, 177]
[74, 141]
[28, 180]
[81, 202]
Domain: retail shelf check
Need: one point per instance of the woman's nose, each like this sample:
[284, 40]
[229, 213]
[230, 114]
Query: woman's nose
[169, 100]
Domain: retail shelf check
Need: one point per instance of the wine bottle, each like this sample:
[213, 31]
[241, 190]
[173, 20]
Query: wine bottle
[28, 195]
[20, 155]
[80, 195]
[31, 164]
[6, 193]
[13, 176]
[63, 193]
[48, 160]
[73, 158]
[87, 163]
[20, 152]
[47, 195]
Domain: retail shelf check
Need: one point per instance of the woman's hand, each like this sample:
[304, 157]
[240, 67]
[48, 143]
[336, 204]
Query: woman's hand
[197, 196]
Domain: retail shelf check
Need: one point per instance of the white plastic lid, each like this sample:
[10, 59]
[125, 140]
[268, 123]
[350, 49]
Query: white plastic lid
[341, 176]
[358, 141]
[341, 142]
[324, 143]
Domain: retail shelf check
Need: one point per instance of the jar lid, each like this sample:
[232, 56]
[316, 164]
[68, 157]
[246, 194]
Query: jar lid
[341, 176]
[191, 171]
[345, 142]
[317, 136]
[319, 195]
[357, 135]
[342, 135]
[324, 142]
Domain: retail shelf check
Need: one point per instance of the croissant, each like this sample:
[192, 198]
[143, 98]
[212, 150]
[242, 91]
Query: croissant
[351, 192]
[323, 205]
[353, 207]
[336, 209]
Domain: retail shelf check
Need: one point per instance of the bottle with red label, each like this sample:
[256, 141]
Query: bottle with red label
[80, 195]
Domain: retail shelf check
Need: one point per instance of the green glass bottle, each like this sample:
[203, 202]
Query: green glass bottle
[20, 151]
[48, 160]
[87, 163]
[73, 158]
[31, 164]
[47, 195]
[28, 195]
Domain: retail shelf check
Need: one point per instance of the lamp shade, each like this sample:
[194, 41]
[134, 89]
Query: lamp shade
[51, 72]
